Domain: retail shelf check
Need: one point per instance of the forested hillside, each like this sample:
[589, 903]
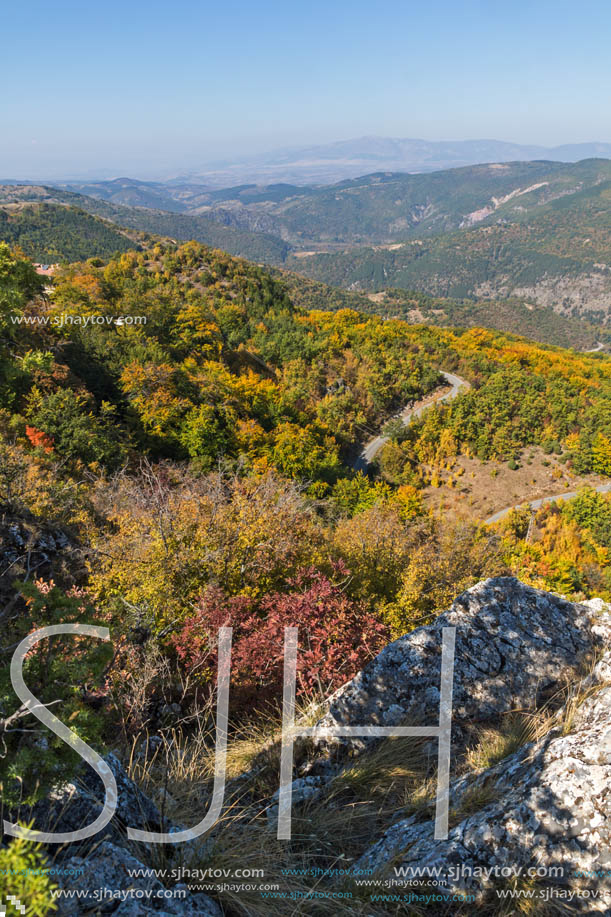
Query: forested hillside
[49, 234]
[195, 469]
[558, 259]
[237, 366]
[510, 315]
[63, 224]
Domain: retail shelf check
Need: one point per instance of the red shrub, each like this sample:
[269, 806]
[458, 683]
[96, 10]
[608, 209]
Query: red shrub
[336, 637]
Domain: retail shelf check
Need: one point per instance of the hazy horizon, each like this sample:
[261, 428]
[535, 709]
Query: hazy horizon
[128, 90]
[270, 156]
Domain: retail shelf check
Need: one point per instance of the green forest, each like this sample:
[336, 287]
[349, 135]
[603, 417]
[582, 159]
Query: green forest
[49, 234]
[507, 315]
[52, 225]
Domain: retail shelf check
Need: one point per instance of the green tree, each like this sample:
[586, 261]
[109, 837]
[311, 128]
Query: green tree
[208, 434]
[77, 433]
[19, 283]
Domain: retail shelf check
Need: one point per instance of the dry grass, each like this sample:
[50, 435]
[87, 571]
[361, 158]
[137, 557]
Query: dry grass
[495, 744]
[392, 780]
[473, 800]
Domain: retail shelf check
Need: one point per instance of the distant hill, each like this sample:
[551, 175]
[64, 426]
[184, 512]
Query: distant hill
[554, 253]
[378, 209]
[57, 207]
[128, 191]
[50, 233]
[388, 207]
[511, 315]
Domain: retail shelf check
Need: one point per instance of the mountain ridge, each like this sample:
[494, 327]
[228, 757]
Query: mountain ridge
[329, 162]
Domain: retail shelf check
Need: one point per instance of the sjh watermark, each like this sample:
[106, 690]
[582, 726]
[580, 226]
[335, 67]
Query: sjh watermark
[63, 319]
[290, 730]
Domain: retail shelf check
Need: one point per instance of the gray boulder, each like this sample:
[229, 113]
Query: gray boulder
[547, 806]
[549, 809]
[111, 880]
[514, 644]
[75, 805]
[105, 874]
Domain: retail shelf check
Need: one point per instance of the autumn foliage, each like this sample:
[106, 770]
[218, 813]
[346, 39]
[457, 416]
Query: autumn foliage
[337, 636]
[204, 463]
[39, 439]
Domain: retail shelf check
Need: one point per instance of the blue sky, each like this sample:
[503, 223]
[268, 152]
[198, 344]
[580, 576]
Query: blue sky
[151, 88]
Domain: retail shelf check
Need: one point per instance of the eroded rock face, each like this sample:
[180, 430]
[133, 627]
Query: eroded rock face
[550, 807]
[513, 645]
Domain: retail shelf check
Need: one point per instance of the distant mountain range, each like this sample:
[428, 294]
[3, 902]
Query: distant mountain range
[332, 162]
[324, 164]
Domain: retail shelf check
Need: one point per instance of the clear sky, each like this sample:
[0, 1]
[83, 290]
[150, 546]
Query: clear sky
[151, 88]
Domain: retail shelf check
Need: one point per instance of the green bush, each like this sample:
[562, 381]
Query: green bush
[77, 432]
[34, 759]
[23, 874]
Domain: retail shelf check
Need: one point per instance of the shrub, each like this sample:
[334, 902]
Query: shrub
[22, 874]
[337, 636]
[64, 420]
[592, 511]
[58, 669]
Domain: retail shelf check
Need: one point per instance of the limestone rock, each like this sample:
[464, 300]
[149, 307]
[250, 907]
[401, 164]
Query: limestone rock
[75, 805]
[303, 790]
[514, 643]
[550, 807]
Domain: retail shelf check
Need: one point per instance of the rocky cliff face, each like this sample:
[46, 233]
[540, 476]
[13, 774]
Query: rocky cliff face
[548, 808]
[514, 646]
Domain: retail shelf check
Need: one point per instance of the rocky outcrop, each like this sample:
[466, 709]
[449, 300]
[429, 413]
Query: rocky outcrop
[111, 880]
[77, 804]
[546, 807]
[549, 810]
[29, 547]
[514, 645]
[108, 874]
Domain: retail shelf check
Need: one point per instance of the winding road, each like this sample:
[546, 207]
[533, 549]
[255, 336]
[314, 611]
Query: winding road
[371, 449]
[374, 445]
[537, 504]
